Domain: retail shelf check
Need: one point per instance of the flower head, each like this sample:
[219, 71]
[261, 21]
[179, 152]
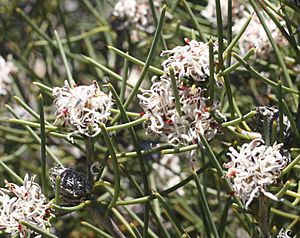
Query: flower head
[164, 120]
[190, 61]
[238, 8]
[6, 68]
[255, 167]
[256, 36]
[83, 107]
[135, 14]
[24, 202]
[284, 234]
[74, 187]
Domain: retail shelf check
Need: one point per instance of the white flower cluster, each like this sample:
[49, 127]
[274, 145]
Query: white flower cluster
[190, 61]
[238, 7]
[256, 36]
[83, 107]
[254, 168]
[24, 202]
[159, 107]
[136, 14]
[284, 234]
[168, 171]
[6, 68]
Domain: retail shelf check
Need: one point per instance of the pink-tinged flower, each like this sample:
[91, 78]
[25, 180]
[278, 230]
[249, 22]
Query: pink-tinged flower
[190, 61]
[284, 234]
[256, 36]
[24, 202]
[136, 14]
[83, 107]
[158, 104]
[6, 68]
[254, 168]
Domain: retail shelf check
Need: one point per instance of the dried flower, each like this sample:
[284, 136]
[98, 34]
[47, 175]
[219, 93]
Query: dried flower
[256, 36]
[6, 68]
[163, 119]
[74, 187]
[135, 14]
[83, 107]
[24, 202]
[272, 114]
[284, 234]
[256, 167]
[190, 61]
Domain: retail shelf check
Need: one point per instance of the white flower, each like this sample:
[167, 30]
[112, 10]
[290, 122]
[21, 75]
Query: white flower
[238, 8]
[254, 168]
[190, 61]
[283, 234]
[83, 107]
[168, 171]
[24, 202]
[210, 11]
[136, 14]
[255, 36]
[6, 68]
[163, 119]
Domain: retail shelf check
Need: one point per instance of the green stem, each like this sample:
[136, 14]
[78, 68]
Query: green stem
[224, 216]
[239, 120]
[290, 166]
[233, 67]
[57, 189]
[37, 229]
[275, 48]
[279, 94]
[43, 144]
[96, 229]
[124, 80]
[11, 172]
[154, 14]
[89, 150]
[176, 224]
[220, 35]
[139, 154]
[135, 230]
[147, 63]
[205, 206]
[116, 168]
[64, 58]
[264, 216]
[194, 20]
[135, 60]
[237, 37]
[264, 79]
[34, 135]
[28, 109]
[211, 72]
[175, 91]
